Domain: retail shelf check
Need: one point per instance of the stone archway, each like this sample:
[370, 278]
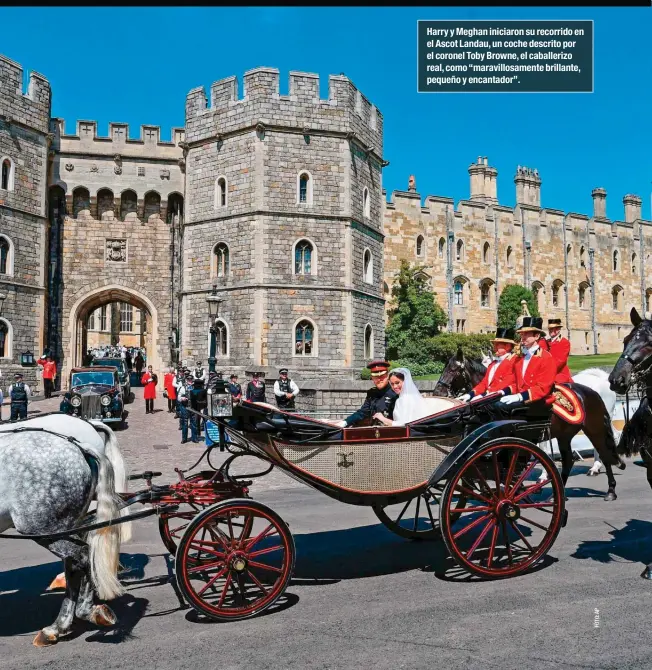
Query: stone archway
[97, 297]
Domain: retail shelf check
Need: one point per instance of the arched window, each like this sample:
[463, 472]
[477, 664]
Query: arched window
[220, 192]
[537, 288]
[105, 204]
[368, 267]
[304, 339]
[459, 292]
[303, 251]
[617, 298]
[634, 264]
[5, 256]
[582, 295]
[152, 205]
[6, 333]
[485, 292]
[615, 263]
[128, 203]
[221, 338]
[368, 342]
[174, 214]
[648, 300]
[569, 252]
[90, 324]
[486, 253]
[420, 245]
[385, 288]
[366, 203]
[460, 250]
[304, 189]
[7, 175]
[582, 257]
[441, 247]
[221, 262]
[556, 285]
[509, 256]
[81, 200]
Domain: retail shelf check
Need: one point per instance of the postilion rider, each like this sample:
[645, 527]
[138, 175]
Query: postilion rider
[500, 376]
[559, 347]
[381, 398]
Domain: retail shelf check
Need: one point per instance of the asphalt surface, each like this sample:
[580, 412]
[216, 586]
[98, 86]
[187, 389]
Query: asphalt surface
[360, 597]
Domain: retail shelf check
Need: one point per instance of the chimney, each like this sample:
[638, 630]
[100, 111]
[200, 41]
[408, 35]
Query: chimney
[483, 181]
[528, 186]
[599, 196]
[632, 208]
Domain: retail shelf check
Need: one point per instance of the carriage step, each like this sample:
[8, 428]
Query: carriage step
[148, 474]
[564, 519]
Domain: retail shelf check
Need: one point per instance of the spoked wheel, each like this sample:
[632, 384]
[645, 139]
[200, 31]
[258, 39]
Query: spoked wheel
[172, 526]
[416, 519]
[235, 560]
[509, 520]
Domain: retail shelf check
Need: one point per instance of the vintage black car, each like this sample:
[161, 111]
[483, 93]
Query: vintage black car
[123, 374]
[95, 393]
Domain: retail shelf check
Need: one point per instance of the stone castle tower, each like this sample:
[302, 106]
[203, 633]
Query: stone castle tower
[276, 201]
[283, 217]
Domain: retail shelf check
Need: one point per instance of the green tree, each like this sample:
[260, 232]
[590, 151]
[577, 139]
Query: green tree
[509, 305]
[415, 314]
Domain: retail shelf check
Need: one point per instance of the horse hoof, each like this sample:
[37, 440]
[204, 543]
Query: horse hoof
[43, 639]
[647, 573]
[59, 582]
[622, 465]
[102, 615]
[611, 495]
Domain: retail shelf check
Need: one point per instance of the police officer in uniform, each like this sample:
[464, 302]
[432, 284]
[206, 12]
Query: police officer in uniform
[19, 393]
[183, 389]
[200, 372]
[198, 402]
[381, 398]
[285, 390]
[256, 389]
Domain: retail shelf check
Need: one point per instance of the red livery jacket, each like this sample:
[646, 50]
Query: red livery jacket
[539, 378]
[559, 348]
[503, 380]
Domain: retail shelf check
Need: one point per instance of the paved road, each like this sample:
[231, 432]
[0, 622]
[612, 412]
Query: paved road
[361, 597]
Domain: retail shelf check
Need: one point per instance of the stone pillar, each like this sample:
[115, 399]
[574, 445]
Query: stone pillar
[115, 323]
[483, 181]
[632, 208]
[528, 186]
[599, 196]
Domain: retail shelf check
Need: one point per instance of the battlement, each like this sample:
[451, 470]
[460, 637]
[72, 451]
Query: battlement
[85, 139]
[31, 108]
[345, 109]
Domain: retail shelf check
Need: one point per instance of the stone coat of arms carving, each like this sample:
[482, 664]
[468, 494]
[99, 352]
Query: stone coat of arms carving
[116, 251]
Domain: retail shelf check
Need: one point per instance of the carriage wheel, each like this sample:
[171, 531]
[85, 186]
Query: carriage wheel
[235, 560]
[416, 519]
[504, 526]
[171, 527]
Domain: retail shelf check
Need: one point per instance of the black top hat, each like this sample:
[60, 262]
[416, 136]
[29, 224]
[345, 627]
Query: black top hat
[283, 371]
[532, 324]
[554, 323]
[505, 335]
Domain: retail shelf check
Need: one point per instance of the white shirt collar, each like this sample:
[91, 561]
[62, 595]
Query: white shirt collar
[532, 350]
[500, 359]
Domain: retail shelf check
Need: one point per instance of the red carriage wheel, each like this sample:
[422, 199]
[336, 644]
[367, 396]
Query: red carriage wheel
[235, 560]
[509, 520]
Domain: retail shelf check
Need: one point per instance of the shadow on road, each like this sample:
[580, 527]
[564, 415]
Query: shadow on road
[632, 542]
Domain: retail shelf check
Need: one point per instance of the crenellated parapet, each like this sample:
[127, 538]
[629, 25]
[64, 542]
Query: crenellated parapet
[86, 140]
[346, 111]
[31, 109]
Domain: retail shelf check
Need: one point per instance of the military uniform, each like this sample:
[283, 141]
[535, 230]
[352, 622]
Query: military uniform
[235, 389]
[256, 389]
[380, 399]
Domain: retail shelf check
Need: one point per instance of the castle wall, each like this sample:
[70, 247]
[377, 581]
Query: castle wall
[24, 142]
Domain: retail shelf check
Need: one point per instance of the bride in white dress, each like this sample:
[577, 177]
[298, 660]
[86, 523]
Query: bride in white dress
[410, 405]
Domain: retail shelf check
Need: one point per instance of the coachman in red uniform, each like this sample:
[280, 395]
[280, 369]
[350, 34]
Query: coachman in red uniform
[559, 348]
[499, 376]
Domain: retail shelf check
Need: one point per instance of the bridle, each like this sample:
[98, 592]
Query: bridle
[449, 385]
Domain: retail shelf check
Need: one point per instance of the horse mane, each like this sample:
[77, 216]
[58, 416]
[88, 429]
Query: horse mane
[476, 367]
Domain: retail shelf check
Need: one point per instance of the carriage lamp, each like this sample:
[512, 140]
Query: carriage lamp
[27, 358]
[220, 401]
[2, 300]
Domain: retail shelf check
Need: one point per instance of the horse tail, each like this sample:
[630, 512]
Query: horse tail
[593, 372]
[104, 543]
[120, 472]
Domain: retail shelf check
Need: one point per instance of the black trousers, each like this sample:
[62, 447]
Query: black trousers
[149, 406]
[48, 387]
[172, 405]
[18, 410]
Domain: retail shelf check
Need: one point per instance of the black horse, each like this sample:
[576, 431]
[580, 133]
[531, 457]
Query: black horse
[461, 374]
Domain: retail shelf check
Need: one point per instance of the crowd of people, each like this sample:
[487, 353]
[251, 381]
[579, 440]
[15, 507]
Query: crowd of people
[135, 358]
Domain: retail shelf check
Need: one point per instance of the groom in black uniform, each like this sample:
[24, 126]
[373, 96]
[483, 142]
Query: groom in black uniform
[381, 398]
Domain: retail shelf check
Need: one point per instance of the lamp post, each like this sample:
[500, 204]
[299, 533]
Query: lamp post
[213, 301]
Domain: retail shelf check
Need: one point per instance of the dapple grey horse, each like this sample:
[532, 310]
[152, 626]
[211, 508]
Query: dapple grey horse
[47, 482]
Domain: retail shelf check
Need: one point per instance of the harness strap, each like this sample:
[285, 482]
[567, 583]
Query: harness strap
[27, 429]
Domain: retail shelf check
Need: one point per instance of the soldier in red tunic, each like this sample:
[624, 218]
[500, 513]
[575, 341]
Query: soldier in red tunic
[499, 376]
[559, 348]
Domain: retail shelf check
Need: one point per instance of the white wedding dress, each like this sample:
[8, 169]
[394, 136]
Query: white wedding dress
[410, 405]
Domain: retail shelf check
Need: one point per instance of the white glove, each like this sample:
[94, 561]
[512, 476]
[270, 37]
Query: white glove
[340, 424]
[511, 399]
[465, 398]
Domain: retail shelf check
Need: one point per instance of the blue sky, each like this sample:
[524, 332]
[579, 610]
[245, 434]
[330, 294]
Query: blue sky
[136, 65]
